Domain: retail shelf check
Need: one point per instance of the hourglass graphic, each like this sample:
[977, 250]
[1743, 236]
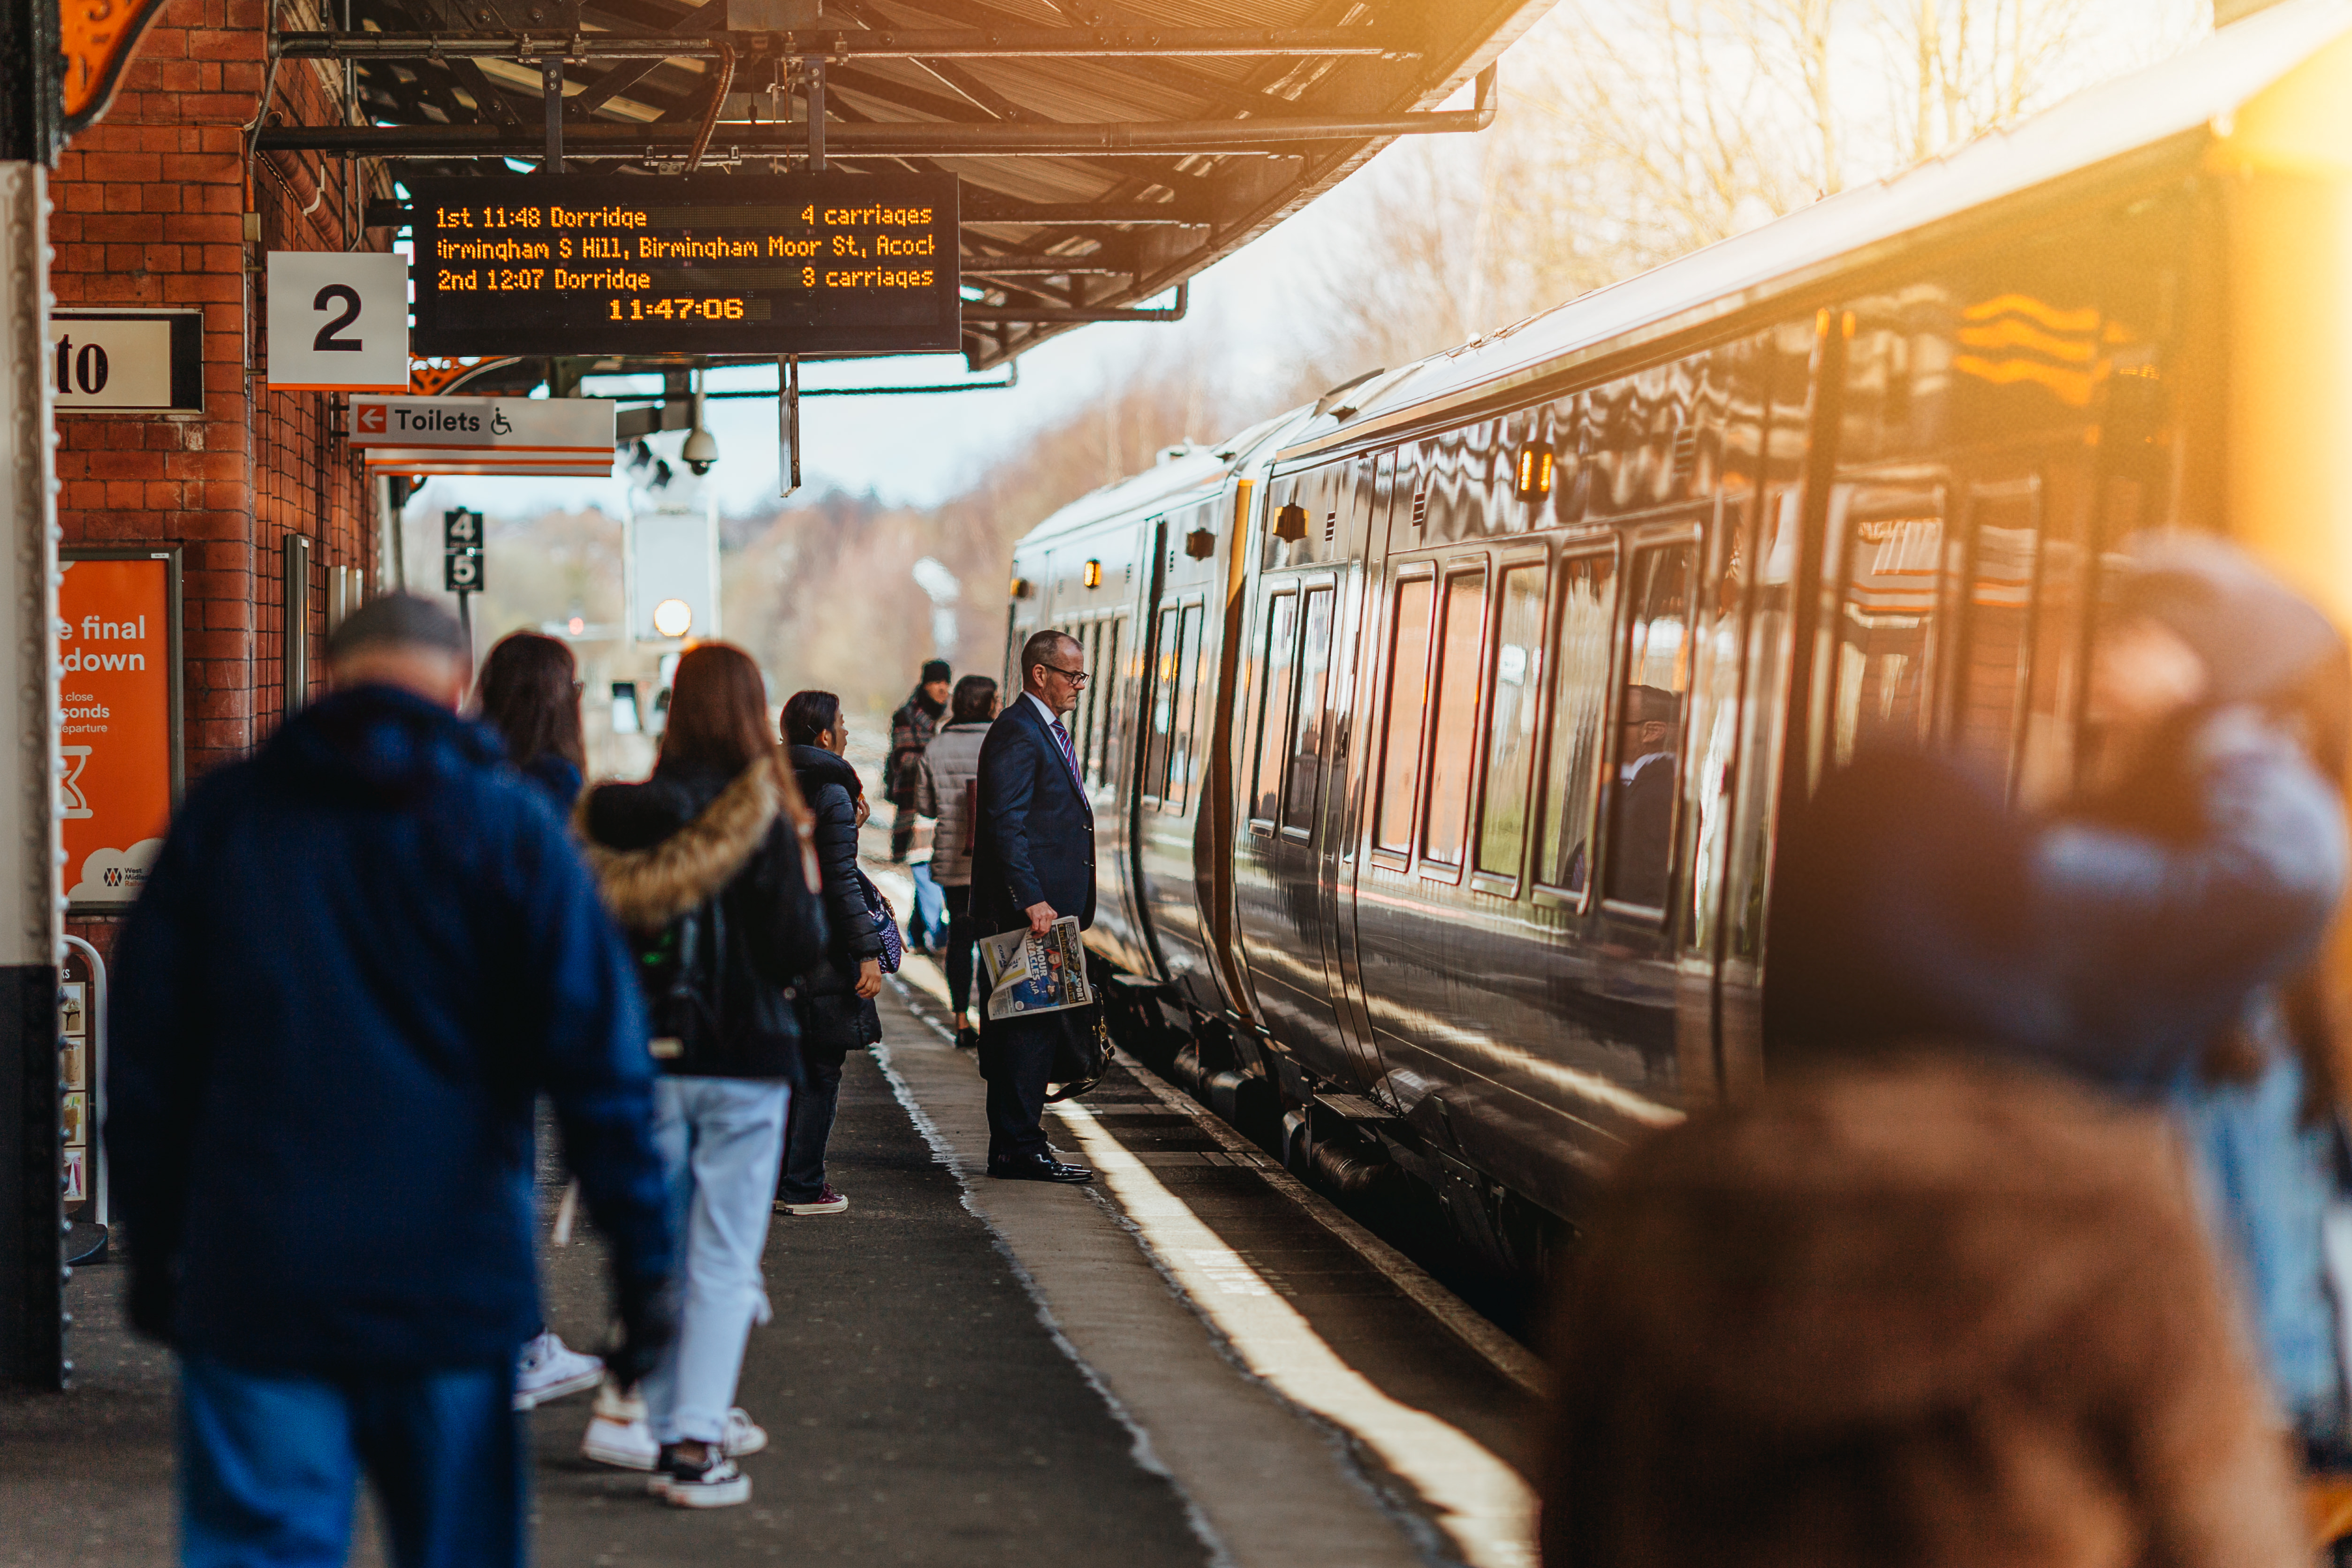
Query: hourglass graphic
[71, 803]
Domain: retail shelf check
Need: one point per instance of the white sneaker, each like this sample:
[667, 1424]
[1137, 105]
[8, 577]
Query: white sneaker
[713, 1482]
[627, 1443]
[548, 1370]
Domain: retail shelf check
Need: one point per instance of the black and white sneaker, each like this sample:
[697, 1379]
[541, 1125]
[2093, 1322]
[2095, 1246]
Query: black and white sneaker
[711, 1481]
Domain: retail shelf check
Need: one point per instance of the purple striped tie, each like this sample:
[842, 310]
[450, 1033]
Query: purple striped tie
[1061, 740]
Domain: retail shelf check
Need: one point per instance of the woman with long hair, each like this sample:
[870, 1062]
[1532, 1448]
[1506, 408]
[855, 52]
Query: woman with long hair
[530, 693]
[837, 1011]
[708, 865]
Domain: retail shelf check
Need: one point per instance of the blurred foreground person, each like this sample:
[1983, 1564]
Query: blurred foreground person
[1933, 1311]
[2157, 936]
[530, 693]
[837, 1007]
[949, 791]
[708, 866]
[362, 955]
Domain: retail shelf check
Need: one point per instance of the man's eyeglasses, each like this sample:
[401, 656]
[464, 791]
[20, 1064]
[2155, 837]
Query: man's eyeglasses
[1076, 677]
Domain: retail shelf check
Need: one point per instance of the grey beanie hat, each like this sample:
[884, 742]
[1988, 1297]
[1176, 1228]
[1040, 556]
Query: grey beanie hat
[2259, 637]
[398, 620]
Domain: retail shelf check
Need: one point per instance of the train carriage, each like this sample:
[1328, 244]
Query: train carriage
[1443, 727]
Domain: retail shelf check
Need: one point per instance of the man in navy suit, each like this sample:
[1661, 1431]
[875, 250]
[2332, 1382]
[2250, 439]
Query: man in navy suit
[1033, 862]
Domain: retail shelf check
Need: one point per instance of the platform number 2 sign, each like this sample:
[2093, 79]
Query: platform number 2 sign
[338, 321]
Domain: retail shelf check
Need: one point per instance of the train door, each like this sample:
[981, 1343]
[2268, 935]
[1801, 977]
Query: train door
[1362, 533]
[1286, 770]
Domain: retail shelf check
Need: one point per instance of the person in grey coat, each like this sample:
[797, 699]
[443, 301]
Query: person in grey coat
[947, 791]
[836, 1007]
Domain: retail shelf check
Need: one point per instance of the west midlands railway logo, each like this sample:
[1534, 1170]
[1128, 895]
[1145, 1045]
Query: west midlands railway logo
[114, 876]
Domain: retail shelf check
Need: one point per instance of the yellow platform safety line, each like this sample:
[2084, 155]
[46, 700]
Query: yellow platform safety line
[1480, 1501]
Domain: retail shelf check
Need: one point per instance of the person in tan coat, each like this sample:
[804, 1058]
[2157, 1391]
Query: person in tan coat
[1936, 1310]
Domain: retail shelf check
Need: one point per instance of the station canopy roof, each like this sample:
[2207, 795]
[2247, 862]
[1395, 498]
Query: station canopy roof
[1106, 152]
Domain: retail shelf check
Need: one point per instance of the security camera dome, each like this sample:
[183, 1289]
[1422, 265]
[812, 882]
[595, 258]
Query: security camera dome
[701, 450]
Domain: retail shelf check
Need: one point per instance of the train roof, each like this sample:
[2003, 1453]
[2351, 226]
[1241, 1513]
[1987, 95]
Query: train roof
[1175, 478]
[2177, 108]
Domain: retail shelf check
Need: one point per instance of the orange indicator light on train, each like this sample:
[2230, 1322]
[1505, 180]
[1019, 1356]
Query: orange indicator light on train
[1535, 473]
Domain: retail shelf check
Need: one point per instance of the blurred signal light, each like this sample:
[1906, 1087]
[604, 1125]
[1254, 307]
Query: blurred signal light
[673, 618]
[1094, 574]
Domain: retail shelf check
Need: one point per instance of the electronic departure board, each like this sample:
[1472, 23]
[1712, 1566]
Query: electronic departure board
[707, 264]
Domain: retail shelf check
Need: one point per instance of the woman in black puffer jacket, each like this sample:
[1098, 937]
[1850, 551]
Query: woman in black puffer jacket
[708, 867]
[837, 1012]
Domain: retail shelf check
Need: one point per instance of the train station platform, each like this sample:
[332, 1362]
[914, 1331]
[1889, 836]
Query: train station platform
[1195, 1361]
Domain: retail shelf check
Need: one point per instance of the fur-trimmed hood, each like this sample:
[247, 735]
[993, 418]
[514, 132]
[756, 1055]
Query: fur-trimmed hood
[663, 846]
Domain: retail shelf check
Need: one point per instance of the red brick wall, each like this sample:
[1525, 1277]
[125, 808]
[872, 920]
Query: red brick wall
[154, 206]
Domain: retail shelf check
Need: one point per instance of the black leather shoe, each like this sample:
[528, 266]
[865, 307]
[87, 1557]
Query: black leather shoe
[1037, 1167]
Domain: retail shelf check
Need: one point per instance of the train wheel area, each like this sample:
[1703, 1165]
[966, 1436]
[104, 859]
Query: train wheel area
[1183, 1364]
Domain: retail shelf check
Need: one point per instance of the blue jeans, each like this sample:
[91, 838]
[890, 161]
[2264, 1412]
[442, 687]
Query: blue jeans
[927, 923]
[722, 1140]
[270, 1462]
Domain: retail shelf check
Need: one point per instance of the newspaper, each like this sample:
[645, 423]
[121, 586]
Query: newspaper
[1027, 975]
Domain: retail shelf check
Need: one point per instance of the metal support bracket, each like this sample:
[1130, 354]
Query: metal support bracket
[550, 87]
[788, 423]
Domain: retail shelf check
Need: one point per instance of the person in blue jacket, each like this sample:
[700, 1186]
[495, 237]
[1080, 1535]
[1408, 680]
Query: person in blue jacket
[360, 956]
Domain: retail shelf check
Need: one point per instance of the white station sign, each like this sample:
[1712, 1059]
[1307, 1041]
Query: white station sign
[127, 360]
[338, 321]
[485, 434]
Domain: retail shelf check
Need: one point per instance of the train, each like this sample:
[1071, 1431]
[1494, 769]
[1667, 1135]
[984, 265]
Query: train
[1442, 729]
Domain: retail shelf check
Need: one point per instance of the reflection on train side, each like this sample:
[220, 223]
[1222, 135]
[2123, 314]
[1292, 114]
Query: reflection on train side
[1443, 763]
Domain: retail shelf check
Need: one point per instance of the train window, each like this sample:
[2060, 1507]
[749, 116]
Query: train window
[1106, 685]
[1274, 722]
[1511, 721]
[1163, 708]
[1416, 599]
[1650, 724]
[1885, 625]
[1990, 710]
[1578, 704]
[1308, 726]
[1445, 822]
[1081, 722]
[1177, 794]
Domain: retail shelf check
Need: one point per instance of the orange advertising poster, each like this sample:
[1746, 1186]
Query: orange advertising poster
[115, 731]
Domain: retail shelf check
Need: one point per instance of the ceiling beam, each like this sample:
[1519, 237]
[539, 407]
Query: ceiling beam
[938, 140]
[945, 44]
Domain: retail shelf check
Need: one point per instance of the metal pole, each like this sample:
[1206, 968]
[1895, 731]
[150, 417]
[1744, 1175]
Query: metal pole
[466, 623]
[815, 88]
[32, 1214]
[550, 87]
[788, 421]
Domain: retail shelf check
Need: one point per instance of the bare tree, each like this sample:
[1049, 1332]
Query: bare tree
[1636, 130]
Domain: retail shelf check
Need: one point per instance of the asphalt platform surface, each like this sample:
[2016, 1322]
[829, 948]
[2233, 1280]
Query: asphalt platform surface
[1194, 1361]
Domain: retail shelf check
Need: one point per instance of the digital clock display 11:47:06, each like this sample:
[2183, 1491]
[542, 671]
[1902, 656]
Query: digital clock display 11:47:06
[770, 264]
